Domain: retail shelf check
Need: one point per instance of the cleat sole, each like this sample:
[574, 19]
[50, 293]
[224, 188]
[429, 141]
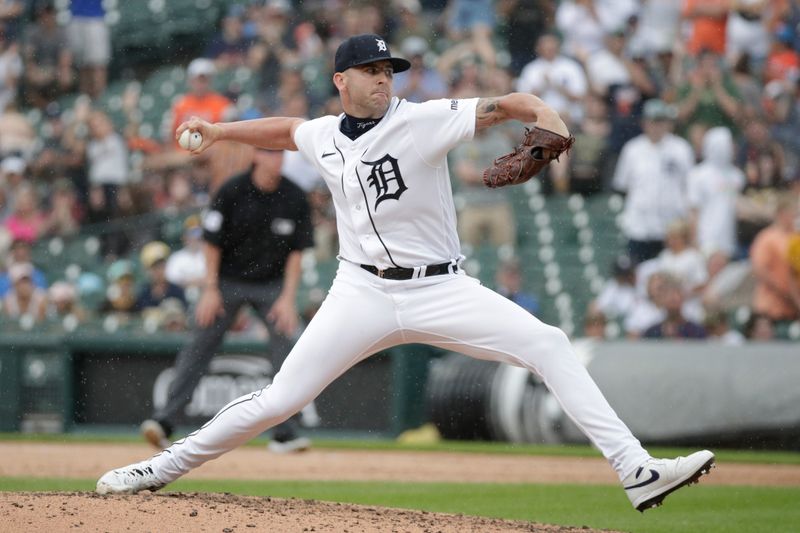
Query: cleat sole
[656, 501]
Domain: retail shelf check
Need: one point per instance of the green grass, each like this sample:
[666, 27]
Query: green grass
[712, 509]
[707, 509]
[723, 455]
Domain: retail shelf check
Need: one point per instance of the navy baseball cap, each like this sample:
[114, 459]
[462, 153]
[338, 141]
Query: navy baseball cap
[366, 48]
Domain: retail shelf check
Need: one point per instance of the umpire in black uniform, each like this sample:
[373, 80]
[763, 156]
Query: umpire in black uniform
[254, 232]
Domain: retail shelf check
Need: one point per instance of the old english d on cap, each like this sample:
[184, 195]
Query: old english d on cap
[366, 48]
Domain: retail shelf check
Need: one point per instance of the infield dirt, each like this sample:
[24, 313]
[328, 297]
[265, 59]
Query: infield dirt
[38, 512]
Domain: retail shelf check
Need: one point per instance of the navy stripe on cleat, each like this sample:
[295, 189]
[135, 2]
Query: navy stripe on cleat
[657, 478]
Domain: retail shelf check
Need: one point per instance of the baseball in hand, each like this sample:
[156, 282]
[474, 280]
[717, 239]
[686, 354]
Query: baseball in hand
[190, 140]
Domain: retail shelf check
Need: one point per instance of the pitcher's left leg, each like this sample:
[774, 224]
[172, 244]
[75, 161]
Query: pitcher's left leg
[463, 316]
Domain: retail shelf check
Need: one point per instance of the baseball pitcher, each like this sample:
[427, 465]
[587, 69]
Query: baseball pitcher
[400, 278]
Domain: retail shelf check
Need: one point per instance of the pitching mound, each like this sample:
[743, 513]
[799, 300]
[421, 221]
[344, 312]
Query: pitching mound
[227, 513]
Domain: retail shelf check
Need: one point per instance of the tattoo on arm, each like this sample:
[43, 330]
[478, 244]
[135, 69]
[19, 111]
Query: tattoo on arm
[488, 113]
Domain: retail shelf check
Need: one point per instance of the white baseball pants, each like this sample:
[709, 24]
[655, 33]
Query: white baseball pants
[364, 314]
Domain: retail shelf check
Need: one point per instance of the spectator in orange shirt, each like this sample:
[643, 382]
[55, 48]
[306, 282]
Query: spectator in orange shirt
[201, 100]
[224, 159]
[777, 291]
[783, 62]
[709, 18]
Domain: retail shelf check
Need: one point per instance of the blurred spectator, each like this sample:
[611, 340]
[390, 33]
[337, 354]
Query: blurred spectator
[171, 316]
[180, 195]
[655, 194]
[121, 293]
[201, 100]
[749, 88]
[420, 83]
[718, 328]
[709, 19]
[97, 210]
[762, 160]
[585, 23]
[473, 20]
[645, 311]
[618, 295]
[675, 325]
[555, 78]
[153, 258]
[783, 62]
[56, 157]
[90, 44]
[24, 298]
[91, 289]
[270, 51]
[657, 27]
[713, 188]
[229, 47]
[588, 160]
[746, 32]
[609, 68]
[508, 283]
[467, 78]
[291, 86]
[19, 137]
[10, 69]
[26, 222]
[759, 328]
[777, 292]
[781, 106]
[730, 284]
[63, 301]
[5, 204]
[225, 158]
[63, 218]
[684, 262]
[525, 22]
[12, 15]
[47, 58]
[19, 252]
[484, 215]
[594, 324]
[626, 100]
[12, 176]
[133, 201]
[709, 99]
[107, 157]
[410, 21]
[187, 266]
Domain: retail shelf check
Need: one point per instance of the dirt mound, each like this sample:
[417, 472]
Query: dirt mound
[227, 513]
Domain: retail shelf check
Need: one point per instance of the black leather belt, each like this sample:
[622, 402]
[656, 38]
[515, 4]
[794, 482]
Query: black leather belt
[398, 273]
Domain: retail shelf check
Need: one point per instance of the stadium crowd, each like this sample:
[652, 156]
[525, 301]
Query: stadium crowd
[690, 109]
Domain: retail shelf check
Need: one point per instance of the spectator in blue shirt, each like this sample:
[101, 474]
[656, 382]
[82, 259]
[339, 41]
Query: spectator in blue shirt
[509, 283]
[675, 326]
[154, 257]
[20, 253]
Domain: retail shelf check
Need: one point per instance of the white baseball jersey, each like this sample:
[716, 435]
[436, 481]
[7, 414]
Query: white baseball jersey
[391, 186]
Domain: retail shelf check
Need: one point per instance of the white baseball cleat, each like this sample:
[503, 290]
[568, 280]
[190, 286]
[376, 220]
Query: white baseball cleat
[129, 480]
[656, 478]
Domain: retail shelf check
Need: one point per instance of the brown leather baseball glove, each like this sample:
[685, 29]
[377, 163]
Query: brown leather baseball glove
[534, 153]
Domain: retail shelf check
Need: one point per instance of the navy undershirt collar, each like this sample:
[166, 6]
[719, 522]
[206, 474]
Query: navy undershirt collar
[353, 127]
